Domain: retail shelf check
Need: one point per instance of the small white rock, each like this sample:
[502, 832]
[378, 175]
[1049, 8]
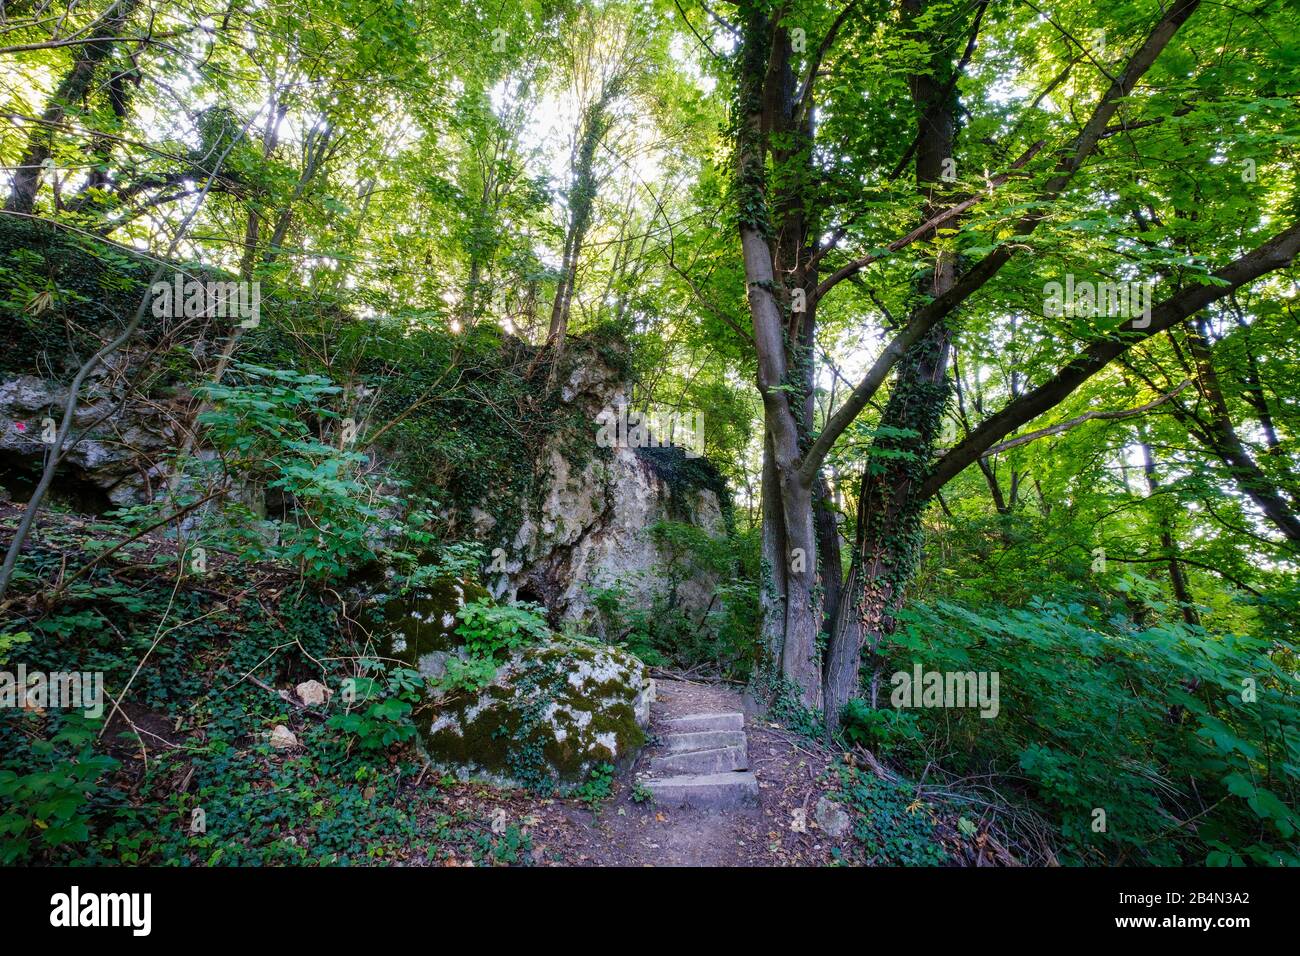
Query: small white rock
[831, 817]
[313, 693]
[282, 738]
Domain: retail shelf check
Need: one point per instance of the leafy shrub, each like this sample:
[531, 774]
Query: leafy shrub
[880, 730]
[458, 561]
[491, 631]
[596, 789]
[1190, 741]
[382, 715]
[50, 801]
[261, 426]
[489, 627]
[10, 640]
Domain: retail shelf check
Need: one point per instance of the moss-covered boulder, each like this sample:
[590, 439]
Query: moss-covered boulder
[553, 712]
[419, 629]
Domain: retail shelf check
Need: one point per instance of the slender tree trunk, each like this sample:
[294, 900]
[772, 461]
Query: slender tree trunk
[469, 306]
[1168, 544]
[1222, 439]
[800, 658]
[1254, 393]
[276, 112]
[582, 200]
[73, 89]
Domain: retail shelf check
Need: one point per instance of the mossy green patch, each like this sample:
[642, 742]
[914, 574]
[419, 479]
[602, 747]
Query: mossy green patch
[553, 712]
[411, 626]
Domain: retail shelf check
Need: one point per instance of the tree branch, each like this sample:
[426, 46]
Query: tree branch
[929, 315]
[1086, 417]
[804, 100]
[952, 212]
[1275, 254]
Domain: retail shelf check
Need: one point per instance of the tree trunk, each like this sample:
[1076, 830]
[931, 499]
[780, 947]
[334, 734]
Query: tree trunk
[774, 258]
[1222, 439]
[73, 89]
[120, 87]
[830, 563]
[582, 200]
[888, 535]
[1168, 544]
[887, 538]
[772, 599]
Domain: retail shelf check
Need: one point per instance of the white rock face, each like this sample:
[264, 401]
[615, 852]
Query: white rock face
[583, 527]
[121, 455]
[589, 528]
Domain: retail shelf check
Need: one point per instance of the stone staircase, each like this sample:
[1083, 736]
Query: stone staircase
[702, 762]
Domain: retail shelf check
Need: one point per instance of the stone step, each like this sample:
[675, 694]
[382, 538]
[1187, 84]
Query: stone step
[694, 723]
[714, 791]
[703, 740]
[720, 760]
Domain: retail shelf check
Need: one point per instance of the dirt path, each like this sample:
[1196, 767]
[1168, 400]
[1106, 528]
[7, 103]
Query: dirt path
[774, 827]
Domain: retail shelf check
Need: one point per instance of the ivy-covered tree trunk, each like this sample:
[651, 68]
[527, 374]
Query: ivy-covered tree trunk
[897, 487]
[888, 533]
[119, 89]
[582, 201]
[772, 595]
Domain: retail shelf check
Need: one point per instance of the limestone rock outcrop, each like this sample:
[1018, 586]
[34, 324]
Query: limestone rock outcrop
[588, 523]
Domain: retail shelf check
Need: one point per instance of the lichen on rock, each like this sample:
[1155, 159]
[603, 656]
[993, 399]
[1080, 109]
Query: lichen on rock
[552, 713]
